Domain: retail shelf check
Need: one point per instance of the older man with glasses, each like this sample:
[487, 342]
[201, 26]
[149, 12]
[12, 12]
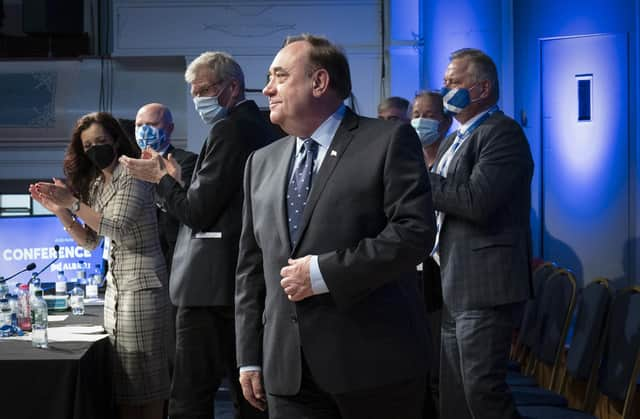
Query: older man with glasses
[209, 209]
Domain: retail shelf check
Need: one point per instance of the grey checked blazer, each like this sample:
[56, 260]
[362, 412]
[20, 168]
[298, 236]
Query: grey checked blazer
[485, 240]
[129, 220]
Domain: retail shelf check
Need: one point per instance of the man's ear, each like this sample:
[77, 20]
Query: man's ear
[235, 89]
[487, 89]
[320, 82]
[169, 129]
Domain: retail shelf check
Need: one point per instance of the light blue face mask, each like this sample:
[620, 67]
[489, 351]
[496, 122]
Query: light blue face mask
[209, 108]
[427, 130]
[147, 135]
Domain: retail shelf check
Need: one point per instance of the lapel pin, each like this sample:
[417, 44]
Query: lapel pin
[334, 153]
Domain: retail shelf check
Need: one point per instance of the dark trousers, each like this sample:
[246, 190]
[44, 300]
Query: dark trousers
[205, 353]
[432, 291]
[432, 398]
[473, 364]
[398, 400]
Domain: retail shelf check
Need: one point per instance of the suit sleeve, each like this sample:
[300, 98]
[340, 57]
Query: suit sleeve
[502, 162]
[250, 286]
[187, 165]
[218, 178]
[129, 202]
[351, 274]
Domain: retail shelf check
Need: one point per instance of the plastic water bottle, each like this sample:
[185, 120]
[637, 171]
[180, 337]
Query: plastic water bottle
[93, 283]
[5, 317]
[77, 301]
[61, 284]
[81, 279]
[98, 278]
[39, 322]
[34, 284]
[24, 309]
[13, 304]
[4, 290]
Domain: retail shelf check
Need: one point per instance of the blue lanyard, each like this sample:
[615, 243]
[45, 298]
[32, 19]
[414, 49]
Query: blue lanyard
[476, 124]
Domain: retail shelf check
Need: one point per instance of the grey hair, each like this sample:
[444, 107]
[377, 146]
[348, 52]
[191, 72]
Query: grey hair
[394, 102]
[221, 65]
[436, 96]
[481, 67]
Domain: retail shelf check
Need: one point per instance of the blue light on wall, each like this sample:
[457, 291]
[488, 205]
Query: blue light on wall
[403, 49]
[449, 26]
[585, 153]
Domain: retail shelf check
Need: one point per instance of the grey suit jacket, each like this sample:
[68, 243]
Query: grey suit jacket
[370, 221]
[210, 210]
[485, 240]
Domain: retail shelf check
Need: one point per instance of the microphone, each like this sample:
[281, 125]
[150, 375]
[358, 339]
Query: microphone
[57, 249]
[29, 267]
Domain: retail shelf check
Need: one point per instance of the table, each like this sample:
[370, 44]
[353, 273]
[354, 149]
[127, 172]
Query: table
[69, 380]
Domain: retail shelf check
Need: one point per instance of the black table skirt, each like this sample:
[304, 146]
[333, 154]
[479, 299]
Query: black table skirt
[69, 380]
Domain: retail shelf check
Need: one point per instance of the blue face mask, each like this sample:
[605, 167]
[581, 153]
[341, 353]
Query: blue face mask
[455, 100]
[427, 130]
[209, 109]
[147, 135]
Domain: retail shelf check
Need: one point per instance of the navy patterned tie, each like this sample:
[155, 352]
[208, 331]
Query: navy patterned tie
[299, 187]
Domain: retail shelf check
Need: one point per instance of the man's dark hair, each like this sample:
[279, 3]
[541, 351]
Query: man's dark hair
[481, 67]
[327, 56]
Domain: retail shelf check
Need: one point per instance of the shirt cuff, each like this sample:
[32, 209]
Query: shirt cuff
[318, 286]
[250, 368]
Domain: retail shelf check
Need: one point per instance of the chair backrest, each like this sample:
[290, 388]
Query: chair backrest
[589, 329]
[621, 358]
[527, 334]
[554, 315]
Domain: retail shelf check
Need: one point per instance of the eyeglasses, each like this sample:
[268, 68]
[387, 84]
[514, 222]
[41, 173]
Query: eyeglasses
[206, 89]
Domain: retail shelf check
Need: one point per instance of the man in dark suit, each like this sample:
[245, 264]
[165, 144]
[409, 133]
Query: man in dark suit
[481, 184]
[153, 128]
[203, 273]
[336, 217]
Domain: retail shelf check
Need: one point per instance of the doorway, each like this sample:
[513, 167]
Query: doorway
[585, 155]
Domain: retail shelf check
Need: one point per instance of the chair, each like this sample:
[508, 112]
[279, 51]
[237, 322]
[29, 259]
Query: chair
[527, 336]
[586, 347]
[553, 316]
[620, 366]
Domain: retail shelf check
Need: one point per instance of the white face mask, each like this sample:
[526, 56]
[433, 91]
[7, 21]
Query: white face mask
[427, 130]
[209, 109]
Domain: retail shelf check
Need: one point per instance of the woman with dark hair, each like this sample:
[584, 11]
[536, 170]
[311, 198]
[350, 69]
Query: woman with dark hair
[113, 204]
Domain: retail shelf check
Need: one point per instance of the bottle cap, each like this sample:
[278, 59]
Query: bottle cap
[24, 286]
